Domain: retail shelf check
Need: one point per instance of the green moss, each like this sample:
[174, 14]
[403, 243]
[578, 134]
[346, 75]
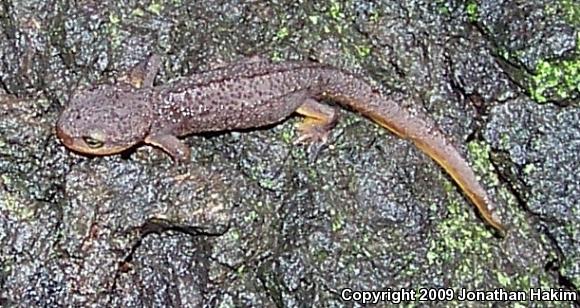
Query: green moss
[314, 19]
[375, 16]
[113, 31]
[472, 11]
[556, 80]
[336, 19]
[559, 80]
[503, 279]
[479, 152]
[337, 221]
[504, 141]
[138, 12]
[267, 183]
[504, 53]
[571, 10]
[276, 56]
[282, 33]
[335, 10]
[250, 217]
[457, 233]
[312, 174]
[114, 19]
[155, 8]
[459, 236]
[234, 235]
[442, 7]
[529, 169]
[15, 206]
[288, 134]
[241, 271]
[363, 51]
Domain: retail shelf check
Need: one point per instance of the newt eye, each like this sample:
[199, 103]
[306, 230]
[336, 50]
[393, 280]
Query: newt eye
[92, 142]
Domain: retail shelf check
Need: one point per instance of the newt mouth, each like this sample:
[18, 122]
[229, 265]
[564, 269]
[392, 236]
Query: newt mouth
[64, 137]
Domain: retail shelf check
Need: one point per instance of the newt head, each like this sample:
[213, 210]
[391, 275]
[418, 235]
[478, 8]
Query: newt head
[105, 119]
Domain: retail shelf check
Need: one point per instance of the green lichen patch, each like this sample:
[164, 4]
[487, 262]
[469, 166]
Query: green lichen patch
[571, 10]
[155, 8]
[282, 33]
[472, 11]
[479, 155]
[335, 18]
[442, 7]
[556, 80]
[461, 242]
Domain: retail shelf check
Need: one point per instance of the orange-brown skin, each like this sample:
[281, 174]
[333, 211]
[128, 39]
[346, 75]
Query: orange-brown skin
[111, 118]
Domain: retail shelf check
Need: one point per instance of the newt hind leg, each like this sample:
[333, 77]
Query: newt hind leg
[315, 128]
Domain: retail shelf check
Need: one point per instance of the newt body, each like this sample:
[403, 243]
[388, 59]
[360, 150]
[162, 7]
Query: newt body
[110, 118]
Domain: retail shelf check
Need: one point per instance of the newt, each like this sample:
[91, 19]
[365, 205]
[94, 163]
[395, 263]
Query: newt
[110, 118]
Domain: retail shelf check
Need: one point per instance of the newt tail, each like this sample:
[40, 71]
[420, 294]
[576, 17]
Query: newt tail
[422, 132]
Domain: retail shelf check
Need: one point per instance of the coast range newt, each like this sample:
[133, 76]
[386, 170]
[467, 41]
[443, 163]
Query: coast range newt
[110, 118]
